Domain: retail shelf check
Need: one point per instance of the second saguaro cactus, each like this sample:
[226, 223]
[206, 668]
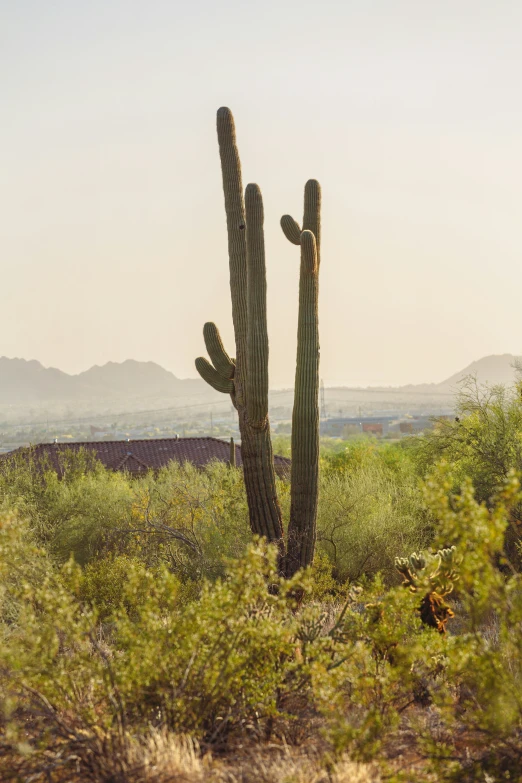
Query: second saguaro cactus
[305, 418]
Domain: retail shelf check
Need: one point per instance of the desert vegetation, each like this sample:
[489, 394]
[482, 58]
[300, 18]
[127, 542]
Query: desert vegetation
[145, 635]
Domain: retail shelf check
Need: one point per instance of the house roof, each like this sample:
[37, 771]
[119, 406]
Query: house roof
[139, 456]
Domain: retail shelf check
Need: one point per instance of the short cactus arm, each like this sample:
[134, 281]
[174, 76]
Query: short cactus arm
[212, 377]
[257, 341]
[291, 229]
[312, 213]
[236, 221]
[311, 218]
[220, 358]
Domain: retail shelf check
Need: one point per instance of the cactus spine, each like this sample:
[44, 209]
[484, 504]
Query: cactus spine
[246, 377]
[305, 416]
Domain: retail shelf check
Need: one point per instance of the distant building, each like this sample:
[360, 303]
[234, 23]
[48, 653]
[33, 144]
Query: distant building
[342, 427]
[373, 428]
[137, 457]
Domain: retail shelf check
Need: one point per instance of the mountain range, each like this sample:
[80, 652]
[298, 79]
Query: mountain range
[29, 382]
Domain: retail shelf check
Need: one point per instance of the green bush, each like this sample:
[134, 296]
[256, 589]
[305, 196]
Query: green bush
[104, 585]
[254, 658]
[174, 622]
[191, 520]
[22, 562]
[483, 442]
[370, 511]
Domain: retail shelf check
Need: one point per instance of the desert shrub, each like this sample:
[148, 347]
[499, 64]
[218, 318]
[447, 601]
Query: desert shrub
[191, 519]
[339, 456]
[74, 514]
[471, 679]
[86, 516]
[324, 586]
[221, 663]
[482, 442]
[104, 585]
[195, 520]
[200, 666]
[21, 562]
[484, 660]
[174, 625]
[392, 663]
[242, 659]
[369, 513]
[243, 663]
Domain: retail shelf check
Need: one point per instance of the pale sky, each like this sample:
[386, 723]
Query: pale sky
[113, 237]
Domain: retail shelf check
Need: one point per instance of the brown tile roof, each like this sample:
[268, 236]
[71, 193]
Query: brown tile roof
[138, 456]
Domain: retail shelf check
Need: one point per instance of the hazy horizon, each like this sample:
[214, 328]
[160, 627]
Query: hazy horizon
[114, 238]
[483, 360]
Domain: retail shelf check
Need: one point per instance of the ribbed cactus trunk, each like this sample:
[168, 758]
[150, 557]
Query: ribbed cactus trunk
[256, 443]
[305, 418]
[246, 377]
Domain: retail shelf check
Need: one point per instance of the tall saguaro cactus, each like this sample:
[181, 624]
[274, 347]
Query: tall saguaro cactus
[246, 377]
[305, 417]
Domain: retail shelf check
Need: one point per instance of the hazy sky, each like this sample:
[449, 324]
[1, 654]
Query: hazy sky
[112, 233]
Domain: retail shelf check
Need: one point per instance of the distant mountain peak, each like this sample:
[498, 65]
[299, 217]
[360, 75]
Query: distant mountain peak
[494, 369]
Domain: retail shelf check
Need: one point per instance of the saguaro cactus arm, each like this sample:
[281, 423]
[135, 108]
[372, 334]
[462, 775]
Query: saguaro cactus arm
[257, 334]
[311, 218]
[219, 357]
[291, 229]
[212, 377]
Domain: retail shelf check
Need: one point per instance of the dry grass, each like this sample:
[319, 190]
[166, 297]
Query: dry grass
[163, 757]
[285, 765]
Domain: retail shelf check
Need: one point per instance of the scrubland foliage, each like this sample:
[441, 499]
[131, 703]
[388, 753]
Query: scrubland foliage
[145, 637]
[370, 509]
